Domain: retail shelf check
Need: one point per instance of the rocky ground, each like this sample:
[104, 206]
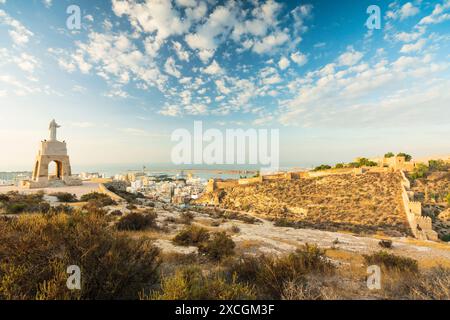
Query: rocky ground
[264, 237]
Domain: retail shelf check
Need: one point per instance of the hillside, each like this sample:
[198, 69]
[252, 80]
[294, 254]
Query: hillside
[366, 203]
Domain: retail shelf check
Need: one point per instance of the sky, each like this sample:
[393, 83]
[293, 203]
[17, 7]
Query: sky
[137, 70]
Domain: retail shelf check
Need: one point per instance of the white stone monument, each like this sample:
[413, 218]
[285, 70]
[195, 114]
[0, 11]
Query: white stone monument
[52, 151]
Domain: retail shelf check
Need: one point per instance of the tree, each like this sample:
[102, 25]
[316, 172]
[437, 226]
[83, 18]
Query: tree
[364, 162]
[437, 165]
[339, 166]
[407, 156]
[420, 171]
[389, 155]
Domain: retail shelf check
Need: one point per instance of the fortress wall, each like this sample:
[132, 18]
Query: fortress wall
[112, 195]
[248, 181]
[226, 184]
[421, 226]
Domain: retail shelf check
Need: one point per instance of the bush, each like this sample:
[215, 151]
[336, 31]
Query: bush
[339, 166]
[271, 274]
[186, 217]
[61, 209]
[420, 171]
[389, 155]
[98, 199]
[35, 252]
[385, 244]
[221, 245]
[392, 262]
[235, 229]
[448, 199]
[190, 284]
[135, 221]
[322, 167]
[65, 197]
[16, 203]
[437, 165]
[191, 236]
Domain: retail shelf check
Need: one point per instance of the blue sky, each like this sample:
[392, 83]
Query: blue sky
[137, 70]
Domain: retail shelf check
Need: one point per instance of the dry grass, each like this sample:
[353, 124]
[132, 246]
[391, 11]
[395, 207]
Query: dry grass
[367, 203]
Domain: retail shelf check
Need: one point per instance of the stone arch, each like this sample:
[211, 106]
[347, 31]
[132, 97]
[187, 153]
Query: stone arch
[58, 173]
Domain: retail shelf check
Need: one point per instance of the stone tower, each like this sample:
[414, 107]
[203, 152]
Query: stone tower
[50, 151]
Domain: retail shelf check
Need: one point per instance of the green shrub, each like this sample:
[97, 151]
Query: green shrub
[420, 171]
[219, 246]
[65, 197]
[437, 165]
[270, 274]
[191, 236]
[61, 209]
[322, 167]
[389, 155]
[35, 252]
[448, 199]
[15, 203]
[339, 166]
[98, 199]
[190, 284]
[391, 261]
[136, 221]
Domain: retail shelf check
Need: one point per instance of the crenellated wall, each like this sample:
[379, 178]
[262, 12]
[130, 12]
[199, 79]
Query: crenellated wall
[421, 226]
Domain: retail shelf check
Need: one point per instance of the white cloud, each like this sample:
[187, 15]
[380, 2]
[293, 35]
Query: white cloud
[205, 39]
[350, 58]
[181, 53]
[79, 89]
[408, 48]
[299, 58]
[283, 63]
[26, 62]
[171, 110]
[213, 69]
[403, 12]
[365, 94]
[409, 36]
[158, 18]
[438, 15]
[408, 10]
[270, 42]
[18, 32]
[47, 3]
[171, 68]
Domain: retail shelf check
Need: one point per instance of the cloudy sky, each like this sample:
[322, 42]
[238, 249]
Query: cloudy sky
[137, 70]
